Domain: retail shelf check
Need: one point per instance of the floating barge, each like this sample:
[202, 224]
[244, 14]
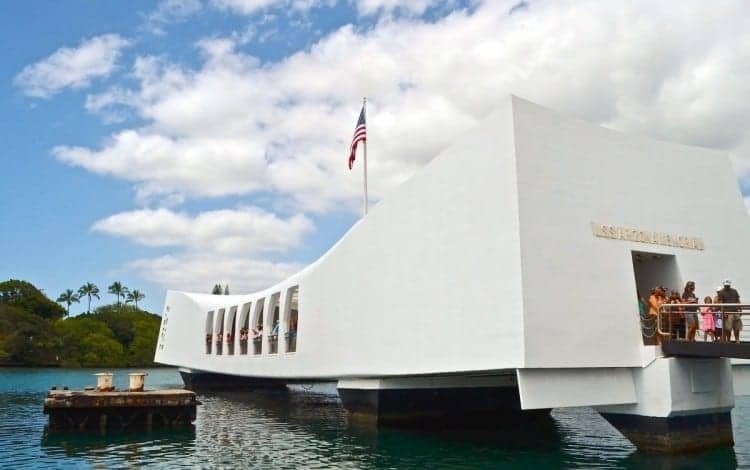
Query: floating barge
[106, 409]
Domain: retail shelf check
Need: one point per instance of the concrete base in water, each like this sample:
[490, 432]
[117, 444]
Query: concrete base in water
[674, 434]
[211, 382]
[415, 401]
[682, 405]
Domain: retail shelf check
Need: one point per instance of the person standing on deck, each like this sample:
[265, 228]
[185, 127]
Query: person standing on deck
[654, 302]
[733, 322]
[691, 313]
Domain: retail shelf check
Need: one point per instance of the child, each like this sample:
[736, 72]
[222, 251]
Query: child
[708, 320]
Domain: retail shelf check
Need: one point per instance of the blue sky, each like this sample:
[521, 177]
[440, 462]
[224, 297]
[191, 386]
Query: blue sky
[179, 143]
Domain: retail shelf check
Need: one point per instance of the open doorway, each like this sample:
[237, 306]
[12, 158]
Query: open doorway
[652, 270]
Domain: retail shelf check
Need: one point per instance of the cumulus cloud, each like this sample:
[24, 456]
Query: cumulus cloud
[197, 273]
[245, 7]
[249, 230]
[72, 67]
[235, 125]
[414, 7]
[171, 11]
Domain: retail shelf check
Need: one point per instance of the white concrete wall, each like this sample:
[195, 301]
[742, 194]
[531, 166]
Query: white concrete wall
[677, 386]
[486, 261]
[580, 288]
[428, 282]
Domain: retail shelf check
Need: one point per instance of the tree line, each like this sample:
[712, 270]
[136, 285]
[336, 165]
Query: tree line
[91, 290]
[36, 331]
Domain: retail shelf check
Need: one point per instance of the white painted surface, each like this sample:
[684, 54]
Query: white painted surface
[677, 386]
[582, 288]
[428, 282]
[741, 376]
[550, 388]
[485, 261]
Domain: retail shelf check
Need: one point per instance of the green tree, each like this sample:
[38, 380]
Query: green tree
[88, 342]
[24, 296]
[135, 296]
[226, 289]
[216, 290]
[68, 298]
[118, 290]
[26, 339]
[88, 290]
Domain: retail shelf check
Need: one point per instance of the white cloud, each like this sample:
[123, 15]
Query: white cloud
[171, 11]
[369, 7]
[72, 67]
[747, 203]
[234, 125]
[249, 230]
[245, 7]
[198, 273]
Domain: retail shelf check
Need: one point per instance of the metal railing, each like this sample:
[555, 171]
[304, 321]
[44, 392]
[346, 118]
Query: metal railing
[675, 322]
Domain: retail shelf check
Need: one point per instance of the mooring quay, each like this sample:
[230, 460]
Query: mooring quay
[106, 409]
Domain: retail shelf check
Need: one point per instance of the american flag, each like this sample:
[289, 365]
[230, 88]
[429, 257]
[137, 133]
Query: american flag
[360, 135]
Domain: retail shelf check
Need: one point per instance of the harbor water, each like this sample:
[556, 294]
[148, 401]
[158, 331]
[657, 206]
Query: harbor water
[308, 428]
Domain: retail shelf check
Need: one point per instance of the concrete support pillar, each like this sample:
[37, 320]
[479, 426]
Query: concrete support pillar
[417, 400]
[683, 405]
[213, 382]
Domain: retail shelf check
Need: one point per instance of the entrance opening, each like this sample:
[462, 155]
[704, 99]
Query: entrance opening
[219, 330]
[244, 327]
[209, 331]
[231, 330]
[273, 338]
[291, 314]
[258, 326]
[653, 270]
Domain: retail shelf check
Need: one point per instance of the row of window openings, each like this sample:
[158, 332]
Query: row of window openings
[251, 338]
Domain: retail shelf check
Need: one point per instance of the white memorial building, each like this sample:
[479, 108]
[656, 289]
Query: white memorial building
[503, 277]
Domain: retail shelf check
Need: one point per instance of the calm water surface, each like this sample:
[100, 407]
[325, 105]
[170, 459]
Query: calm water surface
[309, 429]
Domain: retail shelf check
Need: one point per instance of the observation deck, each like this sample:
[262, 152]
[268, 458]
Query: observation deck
[672, 328]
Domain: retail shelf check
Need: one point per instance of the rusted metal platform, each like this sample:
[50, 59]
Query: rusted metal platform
[739, 350]
[119, 411]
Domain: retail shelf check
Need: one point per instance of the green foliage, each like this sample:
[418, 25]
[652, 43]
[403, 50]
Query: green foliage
[25, 296]
[216, 290]
[111, 336]
[88, 290]
[68, 297]
[118, 289]
[135, 296]
[88, 342]
[26, 338]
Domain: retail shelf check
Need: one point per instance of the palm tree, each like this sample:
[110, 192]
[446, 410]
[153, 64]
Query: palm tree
[119, 290]
[135, 296]
[88, 290]
[68, 297]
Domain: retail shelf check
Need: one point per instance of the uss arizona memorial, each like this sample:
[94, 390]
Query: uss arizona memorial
[503, 278]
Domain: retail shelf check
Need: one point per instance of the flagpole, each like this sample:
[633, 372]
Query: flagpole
[364, 108]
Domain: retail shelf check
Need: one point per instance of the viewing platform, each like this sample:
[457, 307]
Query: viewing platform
[671, 327]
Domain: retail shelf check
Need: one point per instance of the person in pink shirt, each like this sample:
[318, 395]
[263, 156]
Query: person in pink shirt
[707, 313]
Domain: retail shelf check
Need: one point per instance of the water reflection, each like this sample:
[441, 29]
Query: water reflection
[128, 446]
[311, 430]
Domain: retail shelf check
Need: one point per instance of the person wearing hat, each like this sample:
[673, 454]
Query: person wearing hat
[733, 323]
